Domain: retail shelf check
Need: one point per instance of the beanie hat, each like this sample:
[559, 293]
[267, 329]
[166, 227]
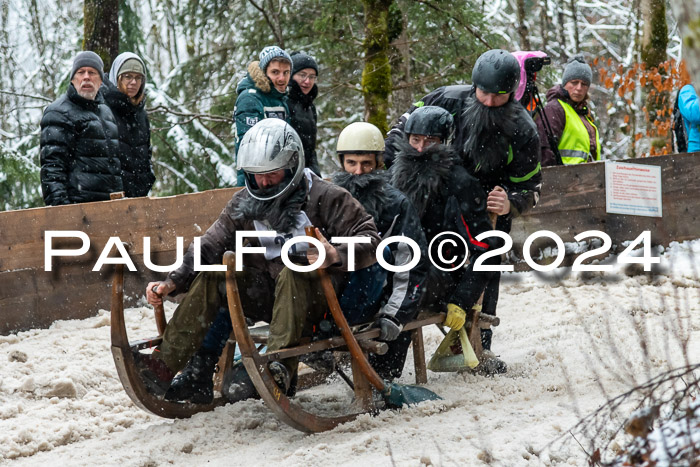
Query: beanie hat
[132, 65]
[300, 60]
[270, 53]
[577, 68]
[88, 58]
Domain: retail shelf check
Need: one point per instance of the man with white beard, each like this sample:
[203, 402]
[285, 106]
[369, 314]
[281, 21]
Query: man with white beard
[79, 140]
[497, 142]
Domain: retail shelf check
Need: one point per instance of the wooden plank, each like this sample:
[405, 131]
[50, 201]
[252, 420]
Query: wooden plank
[419, 356]
[31, 297]
[363, 388]
[573, 201]
[163, 219]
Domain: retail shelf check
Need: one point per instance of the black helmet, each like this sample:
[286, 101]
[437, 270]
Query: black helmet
[431, 120]
[496, 71]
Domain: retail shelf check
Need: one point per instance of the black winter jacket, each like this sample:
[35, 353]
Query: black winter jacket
[394, 215]
[79, 142]
[303, 118]
[134, 141]
[518, 171]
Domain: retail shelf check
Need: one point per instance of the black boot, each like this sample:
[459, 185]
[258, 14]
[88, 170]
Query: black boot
[154, 373]
[237, 385]
[194, 384]
[490, 364]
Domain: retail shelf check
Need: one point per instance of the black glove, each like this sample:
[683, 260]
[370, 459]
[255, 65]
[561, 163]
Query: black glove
[389, 328]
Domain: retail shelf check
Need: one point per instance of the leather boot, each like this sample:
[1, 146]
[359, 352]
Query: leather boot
[194, 384]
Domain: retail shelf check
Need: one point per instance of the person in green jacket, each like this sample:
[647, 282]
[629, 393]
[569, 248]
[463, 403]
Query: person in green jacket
[262, 93]
[569, 118]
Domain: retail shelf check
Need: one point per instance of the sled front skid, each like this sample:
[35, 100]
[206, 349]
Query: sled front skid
[126, 368]
[256, 366]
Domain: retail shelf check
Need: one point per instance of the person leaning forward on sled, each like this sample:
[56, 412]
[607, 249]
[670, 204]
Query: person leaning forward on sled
[496, 142]
[279, 195]
[390, 299]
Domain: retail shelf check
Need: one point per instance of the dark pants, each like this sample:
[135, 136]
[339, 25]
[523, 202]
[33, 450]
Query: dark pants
[360, 302]
[193, 318]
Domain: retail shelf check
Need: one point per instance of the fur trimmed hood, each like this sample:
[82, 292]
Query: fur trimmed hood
[421, 175]
[257, 79]
[369, 189]
[280, 213]
[258, 76]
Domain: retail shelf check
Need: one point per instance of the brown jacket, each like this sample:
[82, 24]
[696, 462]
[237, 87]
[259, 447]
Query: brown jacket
[330, 208]
[557, 121]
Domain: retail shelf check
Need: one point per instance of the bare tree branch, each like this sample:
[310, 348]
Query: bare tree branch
[41, 98]
[270, 22]
[458, 20]
[191, 116]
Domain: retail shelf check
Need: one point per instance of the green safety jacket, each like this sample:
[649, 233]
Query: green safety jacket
[575, 143]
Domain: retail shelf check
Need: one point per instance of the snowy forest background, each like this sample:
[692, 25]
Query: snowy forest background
[197, 51]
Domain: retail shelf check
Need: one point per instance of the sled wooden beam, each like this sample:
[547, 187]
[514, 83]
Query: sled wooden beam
[122, 351]
[424, 319]
[419, 356]
[287, 411]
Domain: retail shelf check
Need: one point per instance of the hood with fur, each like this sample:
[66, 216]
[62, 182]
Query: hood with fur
[280, 213]
[256, 78]
[368, 189]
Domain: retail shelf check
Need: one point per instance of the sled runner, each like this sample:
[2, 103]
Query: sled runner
[249, 340]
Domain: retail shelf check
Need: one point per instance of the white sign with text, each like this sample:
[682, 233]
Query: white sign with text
[633, 189]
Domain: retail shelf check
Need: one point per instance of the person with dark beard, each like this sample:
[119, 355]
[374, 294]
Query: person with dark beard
[390, 299]
[280, 196]
[495, 138]
[497, 142]
[448, 199]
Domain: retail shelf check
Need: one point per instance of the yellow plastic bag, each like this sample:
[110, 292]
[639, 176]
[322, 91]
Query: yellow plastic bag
[454, 353]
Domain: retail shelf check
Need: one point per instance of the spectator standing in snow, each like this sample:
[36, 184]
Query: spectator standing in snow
[125, 96]
[689, 106]
[497, 143]
[302, 111]
[569, 118]
[262, 93]
[79, 140]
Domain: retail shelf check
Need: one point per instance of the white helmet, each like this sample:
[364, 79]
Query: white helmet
[361, 138]
[269, 146]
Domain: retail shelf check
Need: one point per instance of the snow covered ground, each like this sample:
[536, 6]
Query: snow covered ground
[565, 340]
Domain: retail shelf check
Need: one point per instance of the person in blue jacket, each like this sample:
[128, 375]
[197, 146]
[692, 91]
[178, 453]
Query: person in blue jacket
[689, 105]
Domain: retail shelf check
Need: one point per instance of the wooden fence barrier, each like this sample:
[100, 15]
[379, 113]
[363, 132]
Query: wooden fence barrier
[573, 201]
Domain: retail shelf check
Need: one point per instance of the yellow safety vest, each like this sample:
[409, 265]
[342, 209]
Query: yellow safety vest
[575, 143]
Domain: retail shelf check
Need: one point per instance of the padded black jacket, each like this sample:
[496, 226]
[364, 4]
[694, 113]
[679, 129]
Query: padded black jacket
[134, 141]
[79, 143]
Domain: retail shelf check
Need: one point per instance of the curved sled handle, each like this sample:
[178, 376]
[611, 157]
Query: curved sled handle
[346, 332]
[159, 314]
